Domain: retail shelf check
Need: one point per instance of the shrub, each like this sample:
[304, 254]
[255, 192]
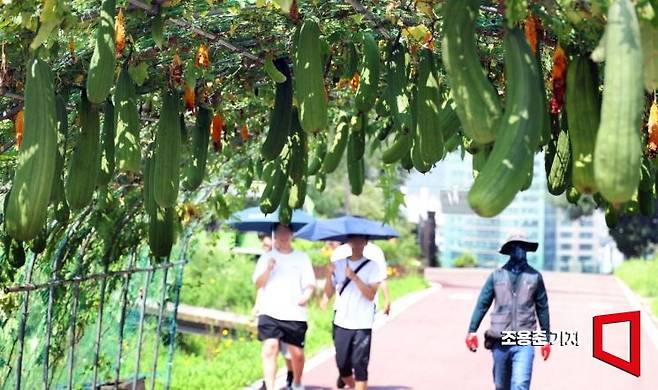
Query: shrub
[217, 278]
[640, 276]
[402, 251]
[465, 260]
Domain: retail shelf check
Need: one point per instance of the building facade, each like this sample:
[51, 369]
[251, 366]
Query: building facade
[564, 244]
[581, 243]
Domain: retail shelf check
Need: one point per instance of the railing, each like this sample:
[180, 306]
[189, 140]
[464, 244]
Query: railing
[37, 350]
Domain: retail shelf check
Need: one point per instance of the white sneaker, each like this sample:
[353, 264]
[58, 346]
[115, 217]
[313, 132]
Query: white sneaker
[297, 387]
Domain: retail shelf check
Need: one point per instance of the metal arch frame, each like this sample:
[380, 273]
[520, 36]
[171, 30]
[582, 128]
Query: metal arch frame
[27, 287]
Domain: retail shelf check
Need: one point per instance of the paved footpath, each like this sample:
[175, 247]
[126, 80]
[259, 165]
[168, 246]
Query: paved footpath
[421, 346]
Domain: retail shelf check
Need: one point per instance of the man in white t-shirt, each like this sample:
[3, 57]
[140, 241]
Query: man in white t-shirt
[355, 280]
[376, 254]
[287, 281]
[266, 242]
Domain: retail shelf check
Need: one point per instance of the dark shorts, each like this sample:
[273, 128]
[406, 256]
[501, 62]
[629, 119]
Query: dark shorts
[290, 332]
[352, 352]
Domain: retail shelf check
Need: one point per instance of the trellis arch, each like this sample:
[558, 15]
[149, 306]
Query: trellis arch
[93, 233]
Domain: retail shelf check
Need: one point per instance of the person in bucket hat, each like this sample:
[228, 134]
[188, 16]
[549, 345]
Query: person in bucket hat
[520, 299]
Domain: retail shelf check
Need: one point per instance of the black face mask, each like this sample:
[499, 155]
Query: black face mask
[517, 257]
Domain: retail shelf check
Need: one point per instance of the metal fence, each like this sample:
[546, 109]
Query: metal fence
[110, 350]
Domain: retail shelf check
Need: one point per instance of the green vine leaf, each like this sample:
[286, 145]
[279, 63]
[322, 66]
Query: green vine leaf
[139, 73]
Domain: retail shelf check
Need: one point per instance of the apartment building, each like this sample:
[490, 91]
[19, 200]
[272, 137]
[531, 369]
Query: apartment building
[564, 244]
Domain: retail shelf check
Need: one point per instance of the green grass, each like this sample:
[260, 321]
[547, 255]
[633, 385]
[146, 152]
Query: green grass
[642, 277]
[223, 364]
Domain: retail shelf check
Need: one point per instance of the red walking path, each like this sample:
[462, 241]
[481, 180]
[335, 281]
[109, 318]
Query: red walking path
[421, 346]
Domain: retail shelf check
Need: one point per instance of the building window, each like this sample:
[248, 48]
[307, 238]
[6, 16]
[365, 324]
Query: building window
[584, 258]
[565, 234]
[586, 235]
[586, 222]
[565, 258]
[565, 246]
[532, 223]
[585, 247]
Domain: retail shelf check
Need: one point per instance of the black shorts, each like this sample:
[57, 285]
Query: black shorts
[352, 352]
[290, 332]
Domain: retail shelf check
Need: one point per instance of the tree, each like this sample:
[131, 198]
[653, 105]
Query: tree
[636, 235]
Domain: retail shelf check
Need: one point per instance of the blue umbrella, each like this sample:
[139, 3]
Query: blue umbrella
[253, 220]
[337, 229]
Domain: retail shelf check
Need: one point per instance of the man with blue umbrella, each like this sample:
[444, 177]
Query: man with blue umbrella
[266, 244]
[288, 282]
[355, 280]
[285, 281]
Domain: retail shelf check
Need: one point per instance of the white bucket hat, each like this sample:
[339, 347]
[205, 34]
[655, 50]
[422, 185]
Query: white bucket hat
[518, 238]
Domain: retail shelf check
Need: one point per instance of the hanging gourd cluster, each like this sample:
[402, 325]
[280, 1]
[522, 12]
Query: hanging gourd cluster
[430, 104]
